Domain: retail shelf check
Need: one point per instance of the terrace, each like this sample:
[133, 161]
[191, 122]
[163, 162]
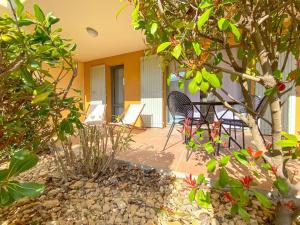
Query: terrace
[71, 101]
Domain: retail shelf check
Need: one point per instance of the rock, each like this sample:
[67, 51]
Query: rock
[90, 185]
[106, 208]
[174, 223]
[133, 209]
[77, 185]
[121, 204]
[54, 192]
[51, 203]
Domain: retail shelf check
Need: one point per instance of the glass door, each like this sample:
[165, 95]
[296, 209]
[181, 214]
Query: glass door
[117, 89]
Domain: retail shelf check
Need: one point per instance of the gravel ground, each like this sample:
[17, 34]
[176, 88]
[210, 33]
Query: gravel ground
[126, 196]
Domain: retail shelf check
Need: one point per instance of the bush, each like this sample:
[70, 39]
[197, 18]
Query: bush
[99, 145]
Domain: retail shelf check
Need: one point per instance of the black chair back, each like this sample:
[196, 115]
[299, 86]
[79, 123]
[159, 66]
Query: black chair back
[180, 105]
[261, 106]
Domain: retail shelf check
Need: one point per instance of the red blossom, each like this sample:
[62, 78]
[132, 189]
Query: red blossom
[246, 181]
[290, 205]
[281, 86]
[269, 146]
[274, 169]
[189, 181]
[254, 154]
[229, 197]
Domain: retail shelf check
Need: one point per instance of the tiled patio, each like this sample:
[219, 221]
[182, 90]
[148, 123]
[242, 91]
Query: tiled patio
[148, 150]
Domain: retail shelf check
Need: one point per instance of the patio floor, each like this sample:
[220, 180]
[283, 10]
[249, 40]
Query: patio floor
[148, 150]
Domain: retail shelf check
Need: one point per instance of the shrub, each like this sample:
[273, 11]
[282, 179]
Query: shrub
[31, 102]
[99, 145]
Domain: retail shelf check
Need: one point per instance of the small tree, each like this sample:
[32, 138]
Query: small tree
[31, 102]
[244, 35]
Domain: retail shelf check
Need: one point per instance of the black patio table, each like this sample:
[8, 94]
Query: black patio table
[213, 104]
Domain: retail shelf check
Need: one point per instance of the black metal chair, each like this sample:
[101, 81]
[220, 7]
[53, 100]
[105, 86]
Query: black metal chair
[181, 106]
[259, 105]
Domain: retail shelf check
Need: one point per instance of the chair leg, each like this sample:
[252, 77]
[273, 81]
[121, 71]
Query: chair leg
[229, 139]
[243, 134]
[220, 133]
[209, 132]
[169, 134]
[261, 134]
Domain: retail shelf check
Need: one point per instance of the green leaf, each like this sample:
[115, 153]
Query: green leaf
[289, 136]
[40, 98]
[287, 143]
[203, 199]
[204, 86]
[198, 77]
[19, 7]
[241, 158]
[277, 74]
[211, 165]
[205, 4]
[192, 194]
[39, 14]
[163, 46]
[27, 189]
[177, 51]
[243, 213]
[21, 161]
[52, 19]
[181, 84]
[25, 22]
[209, 147]
[224, 160]
[266, 166]
[203, 18]
[235, 31]
[197, 48]
[200, 179]
[223, 24]
[263, 199]
[223, 180]
[169, 79]
[281, 185]
[121, 9]
[211, 78]
[193, 86]
[154, 27]
[270, 91]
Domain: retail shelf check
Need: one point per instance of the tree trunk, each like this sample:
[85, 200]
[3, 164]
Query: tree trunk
[276, 121]
[257, 138]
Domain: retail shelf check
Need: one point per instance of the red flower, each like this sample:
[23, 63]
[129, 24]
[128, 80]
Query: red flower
[246, 181]
[189, 181]
[281, 86]
[290, 205]
[274, 169]
[269, 146]
[254, 154]
[229, 197]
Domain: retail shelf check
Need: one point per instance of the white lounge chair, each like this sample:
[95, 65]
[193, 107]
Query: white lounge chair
[130, 116]
[96, 114]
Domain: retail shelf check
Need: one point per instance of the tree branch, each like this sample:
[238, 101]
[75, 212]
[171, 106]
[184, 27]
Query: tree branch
[242, 75]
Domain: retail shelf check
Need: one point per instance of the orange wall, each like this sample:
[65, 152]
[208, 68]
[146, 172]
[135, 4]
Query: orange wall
[131, 62]
[78, 82]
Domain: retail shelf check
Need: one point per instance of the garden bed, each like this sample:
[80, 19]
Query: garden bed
[127, 195]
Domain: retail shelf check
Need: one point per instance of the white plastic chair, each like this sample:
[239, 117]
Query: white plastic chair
[131, 115]
[96, 114]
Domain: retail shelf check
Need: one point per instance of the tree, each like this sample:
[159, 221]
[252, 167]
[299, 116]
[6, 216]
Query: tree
[32, 105]
[244, 35]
